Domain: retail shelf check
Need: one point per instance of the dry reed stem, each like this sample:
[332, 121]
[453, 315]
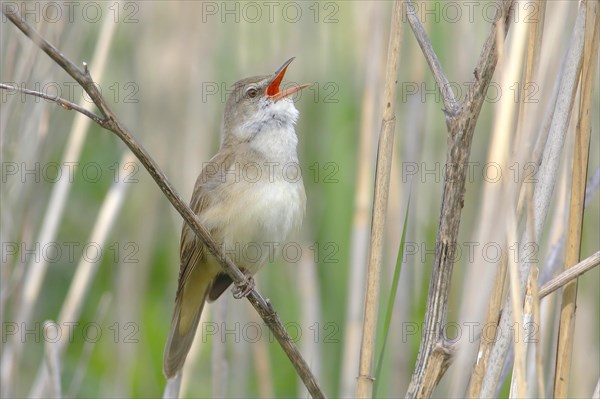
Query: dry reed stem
[566, 331]
[528, 320]
[534, 49]
[495, 196]
[537, 320]
[570, 274]
[362, 208]
[543, 191]
[491, 319]
[450, 103]
[113, 124]
[461, 126]
[364, 386]
[527, 126]
[68, 105]
[504, 121]
[519, 388]
[505, 118]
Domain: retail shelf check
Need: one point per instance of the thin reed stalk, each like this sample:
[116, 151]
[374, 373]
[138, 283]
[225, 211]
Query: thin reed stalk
[362, 208]
[566, 331]
[502, 200]
[364, 386]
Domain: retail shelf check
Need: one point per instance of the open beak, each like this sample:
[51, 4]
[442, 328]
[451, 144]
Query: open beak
[273, 91]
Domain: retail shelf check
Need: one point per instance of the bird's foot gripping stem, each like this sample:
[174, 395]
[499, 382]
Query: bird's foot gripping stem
[242, 289]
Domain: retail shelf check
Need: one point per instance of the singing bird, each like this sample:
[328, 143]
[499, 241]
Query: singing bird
[250, 196]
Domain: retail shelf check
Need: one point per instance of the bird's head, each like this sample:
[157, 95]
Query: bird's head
[258, 103]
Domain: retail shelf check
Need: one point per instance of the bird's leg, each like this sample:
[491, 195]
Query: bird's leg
[242, 289]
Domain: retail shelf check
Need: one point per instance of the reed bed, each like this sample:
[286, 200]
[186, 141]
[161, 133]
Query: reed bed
[90, 245]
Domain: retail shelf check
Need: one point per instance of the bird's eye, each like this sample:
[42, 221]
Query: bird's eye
[251, 92]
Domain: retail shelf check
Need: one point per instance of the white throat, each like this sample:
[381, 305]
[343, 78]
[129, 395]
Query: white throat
[271, 131]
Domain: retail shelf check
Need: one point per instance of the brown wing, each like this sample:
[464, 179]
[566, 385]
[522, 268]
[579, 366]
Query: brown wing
[195, 275]
[191, 250]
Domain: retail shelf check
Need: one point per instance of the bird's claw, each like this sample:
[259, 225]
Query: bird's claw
[242, 289]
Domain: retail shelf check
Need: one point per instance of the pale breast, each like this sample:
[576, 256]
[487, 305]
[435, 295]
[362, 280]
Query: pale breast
[255, 217]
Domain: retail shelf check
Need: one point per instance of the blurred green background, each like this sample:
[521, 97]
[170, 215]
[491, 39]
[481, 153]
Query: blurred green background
[168, 69]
